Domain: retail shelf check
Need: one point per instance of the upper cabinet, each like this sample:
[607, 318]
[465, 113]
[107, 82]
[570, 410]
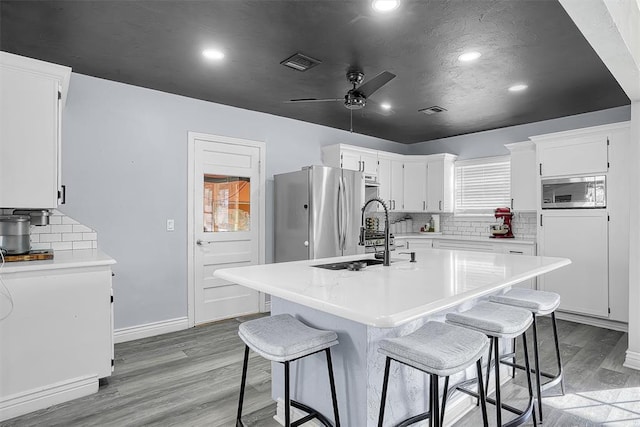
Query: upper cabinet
[523, 176]
[32, 95]
[415, 185]
[440, 176]
[580, 152]
[391, 179]
[352, 158]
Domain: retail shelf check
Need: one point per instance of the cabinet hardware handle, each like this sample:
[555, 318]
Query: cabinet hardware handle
[439, 205]
[511, 204]
[540, 220]
[516, 252]
[540, 169]
[424, 208]
[62, 194]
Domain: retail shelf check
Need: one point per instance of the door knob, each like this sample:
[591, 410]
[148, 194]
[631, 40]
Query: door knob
[200, 242]
[306, 243]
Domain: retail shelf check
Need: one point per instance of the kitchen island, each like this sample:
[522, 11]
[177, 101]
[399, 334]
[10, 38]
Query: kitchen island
[378, 302]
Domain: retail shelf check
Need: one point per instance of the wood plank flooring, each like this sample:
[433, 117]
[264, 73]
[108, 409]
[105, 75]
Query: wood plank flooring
[192, 378]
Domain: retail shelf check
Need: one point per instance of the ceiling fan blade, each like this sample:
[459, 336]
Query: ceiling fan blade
[313, 100]
[370, 86]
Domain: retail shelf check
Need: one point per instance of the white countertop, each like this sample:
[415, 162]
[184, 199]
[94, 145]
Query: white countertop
[61, 259]
[440, 236]
[390, 296]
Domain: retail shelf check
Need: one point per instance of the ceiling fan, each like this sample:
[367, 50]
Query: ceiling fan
[358, 96]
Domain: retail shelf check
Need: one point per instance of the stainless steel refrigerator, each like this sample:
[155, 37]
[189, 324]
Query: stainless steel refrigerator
[317, 213]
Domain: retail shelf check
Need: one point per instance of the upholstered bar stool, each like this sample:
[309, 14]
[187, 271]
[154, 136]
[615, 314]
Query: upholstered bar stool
[284, 339]
[539, 303]
[500, 321]
[439, 350]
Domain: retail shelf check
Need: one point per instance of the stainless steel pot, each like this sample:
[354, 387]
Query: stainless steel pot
[14, 234]
[38, 216]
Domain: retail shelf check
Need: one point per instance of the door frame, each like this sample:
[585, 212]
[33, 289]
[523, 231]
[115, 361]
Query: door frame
[191, 271]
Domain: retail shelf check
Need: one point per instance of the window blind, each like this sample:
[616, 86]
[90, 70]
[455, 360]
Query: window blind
[482, 185]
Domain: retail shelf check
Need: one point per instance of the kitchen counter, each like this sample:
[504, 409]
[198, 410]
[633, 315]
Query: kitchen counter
[379, 302]
[390, 296]
[441, 236]
[61, 259]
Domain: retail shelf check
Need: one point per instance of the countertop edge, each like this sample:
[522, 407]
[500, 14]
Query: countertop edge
[61, 260]
[464, 238]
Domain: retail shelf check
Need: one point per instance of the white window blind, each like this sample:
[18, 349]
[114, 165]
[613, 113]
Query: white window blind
[482, 185]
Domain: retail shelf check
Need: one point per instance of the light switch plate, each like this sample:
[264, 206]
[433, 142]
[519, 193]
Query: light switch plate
[171, 225]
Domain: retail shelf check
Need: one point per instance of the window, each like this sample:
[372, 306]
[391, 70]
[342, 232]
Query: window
[482, 185]
[227, 203]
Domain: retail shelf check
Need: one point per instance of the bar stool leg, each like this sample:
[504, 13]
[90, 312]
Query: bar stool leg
[486, 387]
[435, 407]
[332, 383]
[528, 370]
[444, 397]
[558, 356]
[513, 369]
[497, 374]
[242, 384]
[287, 398]
[482, 398]
[385, 383]
[536, 361]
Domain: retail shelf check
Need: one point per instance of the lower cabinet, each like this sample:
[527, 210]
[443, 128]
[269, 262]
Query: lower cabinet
[582, 236]
[57, 342]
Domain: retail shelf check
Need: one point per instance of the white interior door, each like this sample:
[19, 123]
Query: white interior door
[228, 217]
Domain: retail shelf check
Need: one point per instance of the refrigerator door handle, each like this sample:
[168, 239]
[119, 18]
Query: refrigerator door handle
[347, 211]
[340, 210]
[343, 215]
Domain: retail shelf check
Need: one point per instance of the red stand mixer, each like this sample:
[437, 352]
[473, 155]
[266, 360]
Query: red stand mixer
[503, 230]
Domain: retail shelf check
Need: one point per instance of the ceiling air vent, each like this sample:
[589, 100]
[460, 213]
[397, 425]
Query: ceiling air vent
[432, 110]
[300, 62]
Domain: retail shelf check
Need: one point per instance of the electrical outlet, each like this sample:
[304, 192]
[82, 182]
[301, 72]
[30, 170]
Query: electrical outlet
[171, 225]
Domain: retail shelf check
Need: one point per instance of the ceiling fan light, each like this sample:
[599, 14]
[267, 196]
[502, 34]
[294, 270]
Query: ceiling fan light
[385, 5]
[469, 56]
[385, 106]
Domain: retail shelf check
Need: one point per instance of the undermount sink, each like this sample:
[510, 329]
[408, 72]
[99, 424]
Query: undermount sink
[358, 264]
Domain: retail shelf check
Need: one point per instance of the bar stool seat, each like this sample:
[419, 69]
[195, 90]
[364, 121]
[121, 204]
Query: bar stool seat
[539, 303]
[500, 321]
[439, 350]
[283, 338]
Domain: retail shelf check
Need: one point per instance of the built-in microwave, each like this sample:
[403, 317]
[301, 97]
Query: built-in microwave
[584, 192]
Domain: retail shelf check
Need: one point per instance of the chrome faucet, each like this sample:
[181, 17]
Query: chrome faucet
[387, 239]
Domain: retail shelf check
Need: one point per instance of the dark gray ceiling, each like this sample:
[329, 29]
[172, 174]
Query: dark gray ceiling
[158, 44]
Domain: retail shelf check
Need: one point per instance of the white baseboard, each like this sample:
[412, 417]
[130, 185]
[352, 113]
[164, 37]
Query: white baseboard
[150, 329]
[632, 360]
[593, 321]
[40, 398]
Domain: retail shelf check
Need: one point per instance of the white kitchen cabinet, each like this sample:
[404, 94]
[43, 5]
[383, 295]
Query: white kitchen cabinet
[513, 249]
[391, 179]
[440, 183]
[352, 158]
[416, 244]
[32, 95]
[464, 245]
[415, 186]
[58, 340]
[582, 236]
[523, 176]
[581, 152]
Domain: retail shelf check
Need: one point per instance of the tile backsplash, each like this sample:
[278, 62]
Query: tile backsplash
[524, 223]
[62, 233]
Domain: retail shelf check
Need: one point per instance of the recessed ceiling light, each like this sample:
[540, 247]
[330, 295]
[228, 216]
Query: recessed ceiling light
[385, 106]
[385, 5]
[517, 88]
[213, 54]
[469, 56]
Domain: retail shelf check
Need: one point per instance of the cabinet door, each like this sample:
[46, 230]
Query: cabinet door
[350, 160]
[581, 236]
[397, 185]
[519, 250]
[523, 179]
[29, 121]
[369, 163]
[413, 244]
[578, 156]
[384, 178]
[415, 187]
[435, 187]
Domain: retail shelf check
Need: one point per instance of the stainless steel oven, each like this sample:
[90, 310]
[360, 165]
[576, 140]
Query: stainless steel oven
[584, 192]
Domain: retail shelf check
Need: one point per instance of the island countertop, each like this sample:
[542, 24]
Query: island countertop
[391, 296]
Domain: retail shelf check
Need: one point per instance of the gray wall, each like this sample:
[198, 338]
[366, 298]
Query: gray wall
[125, 167]
[491, 143]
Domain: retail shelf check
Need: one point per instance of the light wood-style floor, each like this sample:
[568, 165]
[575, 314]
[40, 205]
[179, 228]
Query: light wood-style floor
[192, 378]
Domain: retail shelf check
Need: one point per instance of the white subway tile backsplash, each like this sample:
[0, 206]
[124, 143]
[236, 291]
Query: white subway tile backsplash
[51, 237]
[89, 236]
[69, 220]
[70, 237]
[82, 245]
[62, 246]
[67, 228]
[79, 228]
[55, 220]
[43, 229]
[40, 246]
